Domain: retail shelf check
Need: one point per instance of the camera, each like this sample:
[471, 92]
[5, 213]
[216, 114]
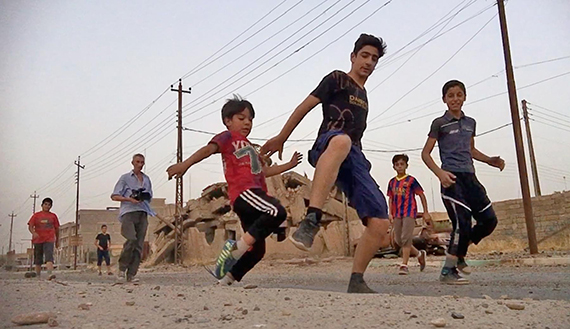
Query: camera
[141, 195]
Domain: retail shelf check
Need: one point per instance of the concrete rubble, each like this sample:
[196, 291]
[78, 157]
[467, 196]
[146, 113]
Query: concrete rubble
[208, 221]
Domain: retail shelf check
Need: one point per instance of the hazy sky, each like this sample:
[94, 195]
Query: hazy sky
[77, 78]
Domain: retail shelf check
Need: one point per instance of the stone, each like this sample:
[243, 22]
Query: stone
[180, 295]
[156, 288]
[488, 312]
[33, 318]
[244, 312]
[286, 313]
[206, 308]
[84, 307]
[129, 291]
[256, 308]
[438, 323]
[227, 304]
[487, 297]
[457, 316]
[485, 305]
[130, 303]
[515, 306]
[53, 322]
[504, 297]
[250, 286]
[287, 298]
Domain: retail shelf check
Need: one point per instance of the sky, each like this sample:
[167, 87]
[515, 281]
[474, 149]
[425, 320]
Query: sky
[92, 79]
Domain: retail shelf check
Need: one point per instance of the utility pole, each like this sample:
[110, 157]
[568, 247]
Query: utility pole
[523, 174]
[533, 166]
[12, 215]
[179, 226]
[79, 167]
[34, 196]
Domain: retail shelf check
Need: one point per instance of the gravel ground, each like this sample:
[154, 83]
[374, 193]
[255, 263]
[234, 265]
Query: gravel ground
[299, 295]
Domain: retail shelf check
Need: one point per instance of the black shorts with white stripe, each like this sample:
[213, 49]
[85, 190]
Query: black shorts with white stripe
[259, 213]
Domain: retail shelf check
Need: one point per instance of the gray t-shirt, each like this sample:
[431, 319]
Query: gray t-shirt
[454, 139]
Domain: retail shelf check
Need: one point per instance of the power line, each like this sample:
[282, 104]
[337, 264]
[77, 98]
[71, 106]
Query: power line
[269, 38]
[302, 62]
[434, 72]
[552, 126]
[557, 121]
[549, 110]
[196, 101]
[199, 66]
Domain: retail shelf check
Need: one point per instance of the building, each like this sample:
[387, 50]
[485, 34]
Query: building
[90, 221]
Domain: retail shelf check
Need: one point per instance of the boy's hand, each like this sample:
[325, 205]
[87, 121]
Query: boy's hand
[497, 162]
[296, 159]
[391, 218]
[135, 201]
[446, 178]
[57, 243]
[177, 170]
[273, 145]
[35, 235]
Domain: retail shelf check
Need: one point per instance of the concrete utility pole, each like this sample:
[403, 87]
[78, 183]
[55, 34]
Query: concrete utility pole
[79, 167]
[523, 175]
[34, 196]
[533, 166]
[178, 236]
[12, 215]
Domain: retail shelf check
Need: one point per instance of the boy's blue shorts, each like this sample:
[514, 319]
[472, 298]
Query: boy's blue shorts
[354, 179]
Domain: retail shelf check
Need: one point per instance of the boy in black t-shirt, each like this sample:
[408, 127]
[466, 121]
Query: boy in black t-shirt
[102, 242]
[337, 156]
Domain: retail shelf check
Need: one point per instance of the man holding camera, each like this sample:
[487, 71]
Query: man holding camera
[134, 191]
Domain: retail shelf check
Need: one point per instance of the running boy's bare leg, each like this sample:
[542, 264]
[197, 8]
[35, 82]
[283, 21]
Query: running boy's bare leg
[326, 172]
[374, 237]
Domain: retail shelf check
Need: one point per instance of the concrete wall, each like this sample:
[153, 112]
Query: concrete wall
[551, 214]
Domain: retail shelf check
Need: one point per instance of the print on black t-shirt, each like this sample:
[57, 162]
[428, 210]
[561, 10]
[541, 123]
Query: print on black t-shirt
[345, 105]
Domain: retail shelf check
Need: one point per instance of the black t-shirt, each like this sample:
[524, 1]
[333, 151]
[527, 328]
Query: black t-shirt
[345, 105]
[104, 240]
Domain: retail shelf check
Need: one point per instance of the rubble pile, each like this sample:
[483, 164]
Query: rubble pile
[212, 211]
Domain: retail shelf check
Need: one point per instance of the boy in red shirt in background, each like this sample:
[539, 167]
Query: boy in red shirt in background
[44, 227]
[402, 191]
[245, 171]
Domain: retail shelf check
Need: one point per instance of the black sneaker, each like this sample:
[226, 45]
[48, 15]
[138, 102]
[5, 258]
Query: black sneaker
[303, 237]
[463, 267]
[452, 277]
[359, 286]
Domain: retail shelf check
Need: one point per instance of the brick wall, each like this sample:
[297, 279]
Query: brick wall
[551, 214]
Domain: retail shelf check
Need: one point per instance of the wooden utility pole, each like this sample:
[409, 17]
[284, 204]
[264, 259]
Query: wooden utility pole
[34, 196]
[523, 174]
[79, 167]
[533, 166]
[178, 232]
[12, 215]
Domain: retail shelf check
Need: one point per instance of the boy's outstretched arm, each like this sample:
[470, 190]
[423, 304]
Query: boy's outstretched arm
[445, 177]
[496, 161]
[179, 169]
[275, 144]
[278, 169]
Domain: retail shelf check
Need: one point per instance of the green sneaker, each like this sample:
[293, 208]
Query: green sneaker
[225, 260]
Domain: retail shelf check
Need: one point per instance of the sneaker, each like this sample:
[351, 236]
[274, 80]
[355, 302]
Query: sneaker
[359, 286]
[403, 270]
[132, 279]
[225, 260]
[100, 274]
[452, 277]
[109, 273]
[422, 260]
[463, 267]
[120, 275]
[303, 237]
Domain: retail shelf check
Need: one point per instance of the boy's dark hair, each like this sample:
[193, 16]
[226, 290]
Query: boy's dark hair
[399, 157]
[450, 84]
[103, 225]
[370, 40]
[234, 106]
[138, 155]
[49, 200]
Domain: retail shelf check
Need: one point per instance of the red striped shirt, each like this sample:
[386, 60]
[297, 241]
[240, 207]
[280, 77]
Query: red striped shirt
[402, 193]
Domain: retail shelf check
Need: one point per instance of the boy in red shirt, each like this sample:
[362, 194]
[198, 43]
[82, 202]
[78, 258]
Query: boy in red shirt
[402, 191]
[245, 172]
[44, 227]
